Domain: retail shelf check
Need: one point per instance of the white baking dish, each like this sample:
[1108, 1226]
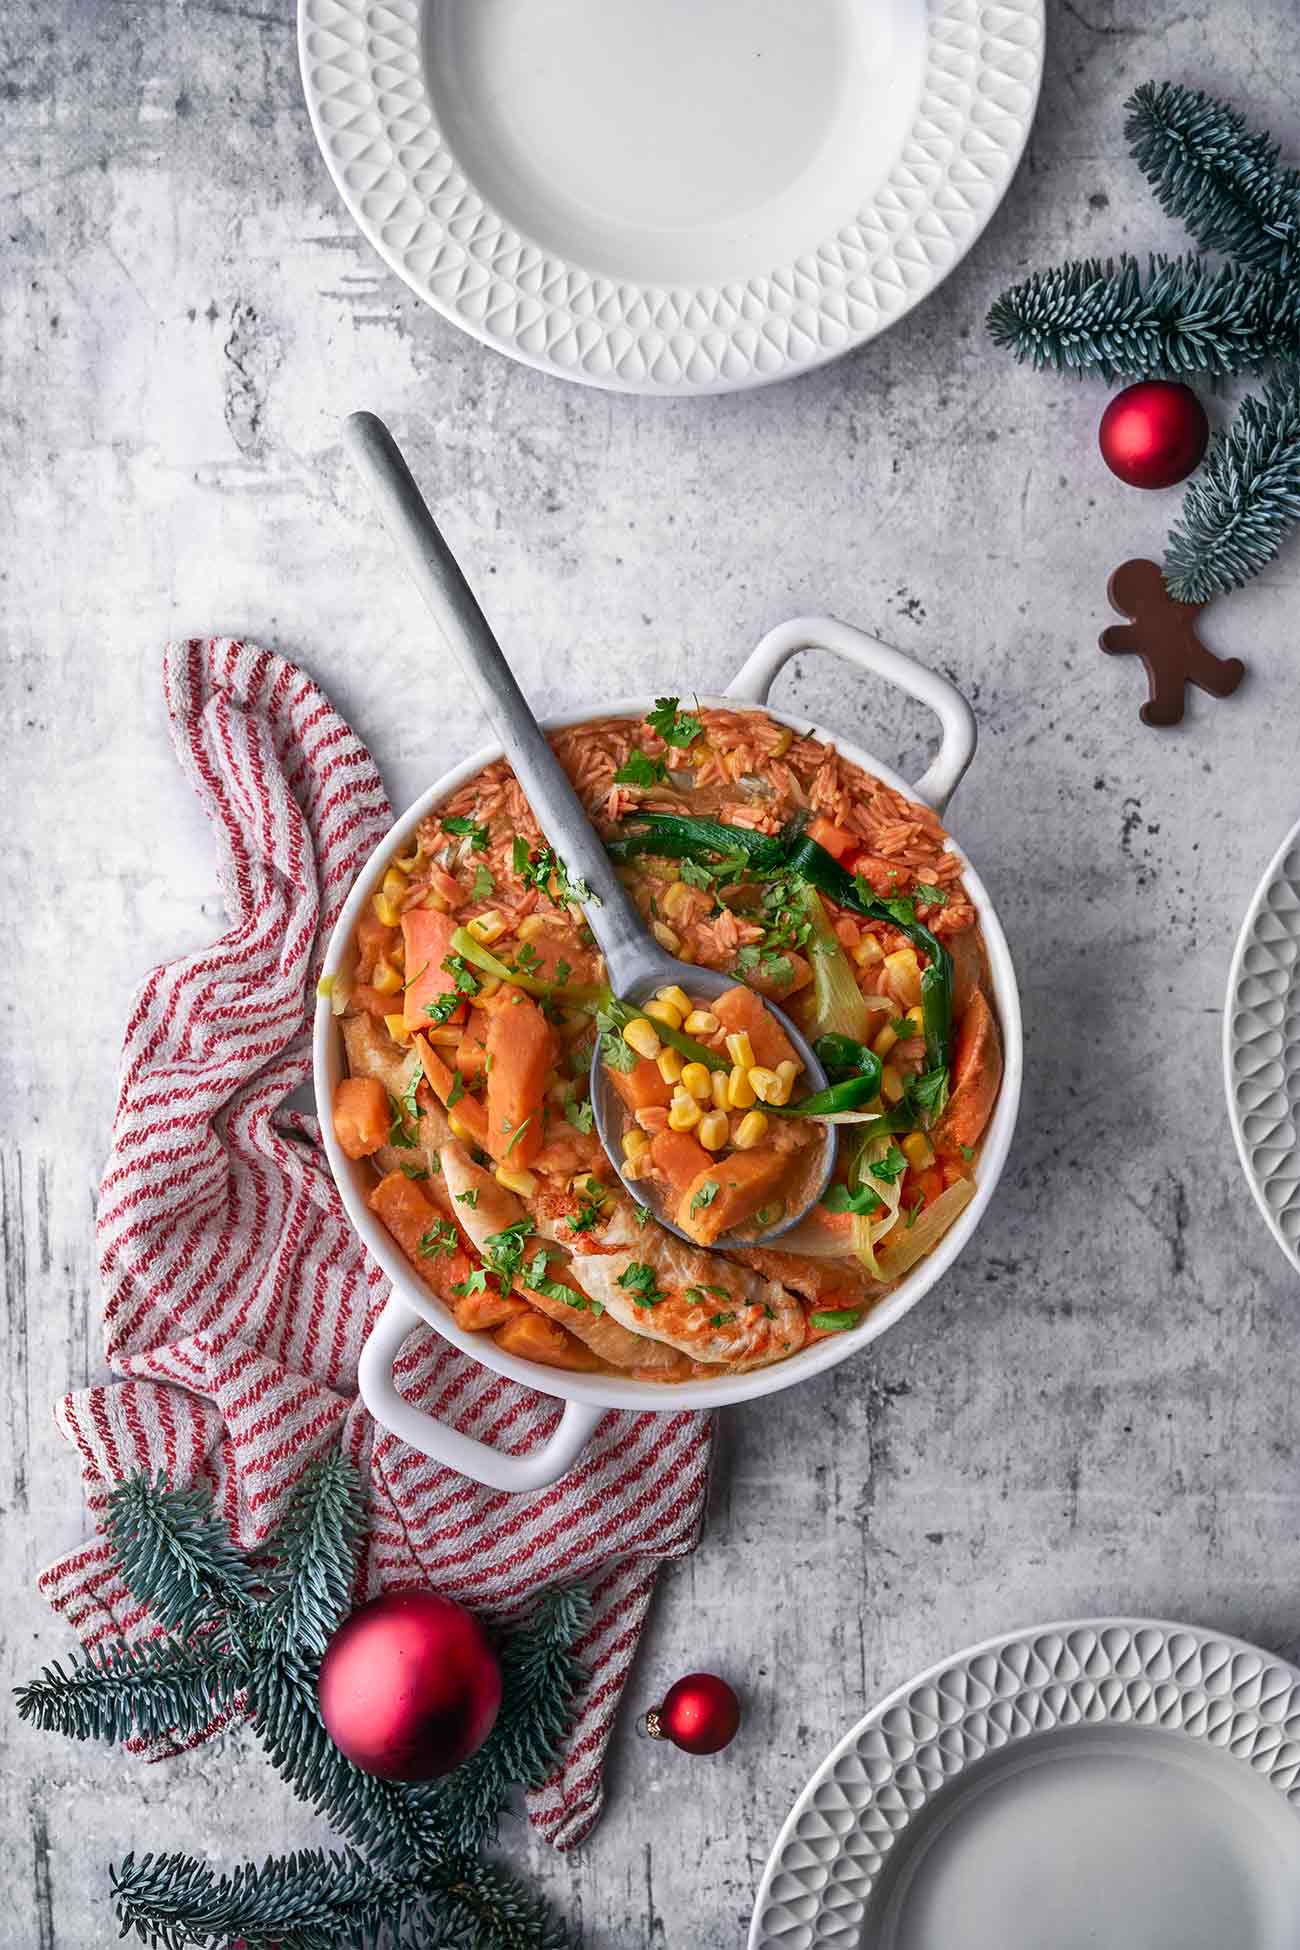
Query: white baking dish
[588, 1397]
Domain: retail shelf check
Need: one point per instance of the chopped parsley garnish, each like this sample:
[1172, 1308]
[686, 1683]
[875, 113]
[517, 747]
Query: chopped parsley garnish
[474, 1282]
[746, 959]
[527, 959]
[482, 885]
[929, 1092]
[457, 1090]
[903, 1027]
[929, 896]
[778, 969]
[694, 874]
[900, 907]
[410, 1109]
[542, 868]
[638, 1279]
[443, 1007]
[441, 1238]
[466, 981]
[563, 970]
[967, 1151]
[471, 829]
[615, 1054]
[675, 727]
[581, 1116]
[641, 1213]
[504, 1250]
[721, 1320]
[589, 1212]
[414, 1171]
[705, 1196]
[834, 1322]
[515, 1134]
[695, 1294]
[537, 1280]
[519, 854]
[890, 1167]
[398, 1135]
[640, 770]
[910, 1216]
[469, 1198]
[838, 1198]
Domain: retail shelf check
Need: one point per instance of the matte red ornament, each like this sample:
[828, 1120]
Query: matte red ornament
[1153, 434]
[700, 1714]
[409, 1686]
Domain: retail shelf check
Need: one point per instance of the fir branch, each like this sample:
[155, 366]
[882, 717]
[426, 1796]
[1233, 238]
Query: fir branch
[160, 1687]
[1182, 319]
[540, 1681]
[316, 1549]
[311, 1900]
[176, 1557]
[391, 1819]
[1240, 508]
[1224, 183]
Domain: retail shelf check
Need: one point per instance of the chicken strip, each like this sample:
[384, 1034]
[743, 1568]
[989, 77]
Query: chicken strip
[485, 1209]
[372, 1053]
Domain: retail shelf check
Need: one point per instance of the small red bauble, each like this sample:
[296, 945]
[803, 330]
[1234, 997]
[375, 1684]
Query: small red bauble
[1153, 434]
[700, 1714]
[409, 1686]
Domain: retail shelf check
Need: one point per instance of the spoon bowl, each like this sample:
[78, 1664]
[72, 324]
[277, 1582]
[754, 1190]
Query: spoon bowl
[635, 962]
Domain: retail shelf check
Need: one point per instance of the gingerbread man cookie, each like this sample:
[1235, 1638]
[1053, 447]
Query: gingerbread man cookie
[1163, 633]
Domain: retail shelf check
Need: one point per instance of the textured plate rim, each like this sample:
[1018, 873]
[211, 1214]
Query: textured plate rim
[1230, 1041]
[682, 340]
[1104, 1668]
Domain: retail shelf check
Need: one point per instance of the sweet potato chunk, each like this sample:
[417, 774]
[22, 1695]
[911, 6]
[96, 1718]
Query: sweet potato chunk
[427, 935]
[739, 1008]
[680, 1157]
[533, 1337]
[642, 1087]
[976, 1075]
[745, 1179]
[444, 1084]
[520, 1051]
[410, 1217]
[361, 1117]
[471, 1053]
[478, 1312]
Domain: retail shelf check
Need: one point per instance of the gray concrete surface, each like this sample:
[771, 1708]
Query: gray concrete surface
[1097, 1409]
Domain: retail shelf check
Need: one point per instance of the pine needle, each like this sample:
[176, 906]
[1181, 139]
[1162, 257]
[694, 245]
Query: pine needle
[316, 1549]
[1224, 183]
[1246, 499]
[1182, 318]
[176, 1557]
[149, 1690]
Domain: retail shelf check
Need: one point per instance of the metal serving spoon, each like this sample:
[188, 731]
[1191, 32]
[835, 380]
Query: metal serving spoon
[636, 964]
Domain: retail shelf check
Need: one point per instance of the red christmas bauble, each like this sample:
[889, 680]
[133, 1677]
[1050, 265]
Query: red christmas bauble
[1153, 434]
[699, 1714]
[409, 1686]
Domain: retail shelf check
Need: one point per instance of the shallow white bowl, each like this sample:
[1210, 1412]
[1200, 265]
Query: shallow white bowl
[689, 197]
[589, 1396]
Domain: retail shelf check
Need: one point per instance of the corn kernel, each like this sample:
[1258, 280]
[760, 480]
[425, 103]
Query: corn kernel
[740, 1049]
[460, 1129]
[395, 884]
[671, 1064]
[698, 1080]
[676, 903]
[916, 1016]
[660, 1011]
[407, 862]
[683, 1113]
[665, 937]
[443, 1035]
[701, 1022]
[751, 1130]
[904, 974]
[388, 914]
[640, 1036]
[532, 927]
[685, 952]
[635, 1144]
[718, 1090]
[868, 952]
[788, 1069]
[779, 1091]
[397, 1029]
[386, 978]
[714, 1130]
[439, 902]
[917, 1151]
[678, 997]
[784, 740]
[763, 1082]
[522, 1182]
[486, 928]
[891, 1084]
[885, 1041]
[740, 1094]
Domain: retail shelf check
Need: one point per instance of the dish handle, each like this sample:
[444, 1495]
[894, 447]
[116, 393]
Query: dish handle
[957, 732]
[422, 1431]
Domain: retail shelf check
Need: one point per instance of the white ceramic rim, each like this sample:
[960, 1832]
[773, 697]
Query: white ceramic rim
[608, 1391]
[1232, 1041]
[1276, 1756]
[364, 80]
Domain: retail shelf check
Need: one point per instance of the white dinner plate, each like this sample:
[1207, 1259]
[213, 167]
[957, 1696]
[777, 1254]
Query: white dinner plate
[1118, 1784]
[1261, 1045]
[691, 196]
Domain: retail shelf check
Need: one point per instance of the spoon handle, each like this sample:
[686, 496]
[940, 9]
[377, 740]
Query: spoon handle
[437, 575]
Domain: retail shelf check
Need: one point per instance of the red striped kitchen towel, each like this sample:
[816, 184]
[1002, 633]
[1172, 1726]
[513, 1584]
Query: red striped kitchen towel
[236, 1297]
